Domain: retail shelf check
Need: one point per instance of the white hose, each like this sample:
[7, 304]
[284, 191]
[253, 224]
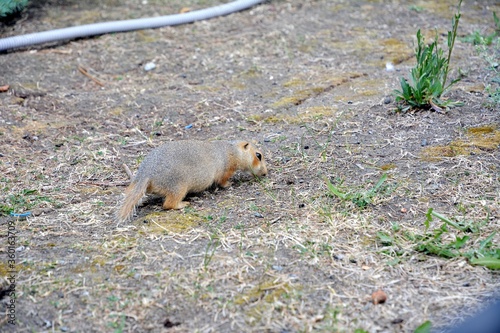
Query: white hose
[121, 26]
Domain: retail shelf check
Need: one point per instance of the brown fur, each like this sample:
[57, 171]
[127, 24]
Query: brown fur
[181, 167]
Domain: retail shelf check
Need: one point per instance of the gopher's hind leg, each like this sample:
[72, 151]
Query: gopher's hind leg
[174, 200]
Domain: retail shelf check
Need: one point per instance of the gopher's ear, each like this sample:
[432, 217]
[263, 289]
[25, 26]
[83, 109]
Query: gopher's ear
[244, 145]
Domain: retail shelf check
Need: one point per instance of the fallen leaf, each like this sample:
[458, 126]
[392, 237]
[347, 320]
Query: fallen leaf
[185, 10]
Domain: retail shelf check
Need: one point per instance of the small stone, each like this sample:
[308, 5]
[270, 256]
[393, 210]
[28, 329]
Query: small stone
[259, 215]
[404, 210]
[379, 297]
[277, 268]
[338, 256]
[149, 66]
[387, 100]
[423, 143]
[63, 329]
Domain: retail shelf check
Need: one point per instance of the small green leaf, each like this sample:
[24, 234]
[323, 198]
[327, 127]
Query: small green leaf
[393, 262]
[460, 242]
[384, 238]
[333, 190]
[428, 219]
[447, 221]
[487, 242]
[424, 328]
[489, 262]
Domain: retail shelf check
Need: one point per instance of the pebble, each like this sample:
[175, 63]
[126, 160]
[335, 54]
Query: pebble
[259, 215]
[423, 143]
[387, 100]
[149, 66]
[277, 268]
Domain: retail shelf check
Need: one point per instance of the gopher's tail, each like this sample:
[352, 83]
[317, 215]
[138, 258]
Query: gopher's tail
[133, 194]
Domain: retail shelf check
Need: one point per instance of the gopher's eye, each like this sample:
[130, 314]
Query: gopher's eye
[259, 156]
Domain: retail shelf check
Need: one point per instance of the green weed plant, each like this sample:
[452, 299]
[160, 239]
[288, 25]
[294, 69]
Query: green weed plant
[428, 79]
[360, 198]
[432, 242]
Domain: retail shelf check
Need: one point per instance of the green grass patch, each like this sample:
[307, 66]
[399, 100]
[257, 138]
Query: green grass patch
[22, 202]
[477, 38]
[488, 47]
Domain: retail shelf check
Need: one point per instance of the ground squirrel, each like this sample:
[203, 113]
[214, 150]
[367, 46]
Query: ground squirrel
[177, 168]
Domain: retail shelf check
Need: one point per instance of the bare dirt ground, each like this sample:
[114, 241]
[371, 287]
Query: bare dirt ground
[306, 81]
